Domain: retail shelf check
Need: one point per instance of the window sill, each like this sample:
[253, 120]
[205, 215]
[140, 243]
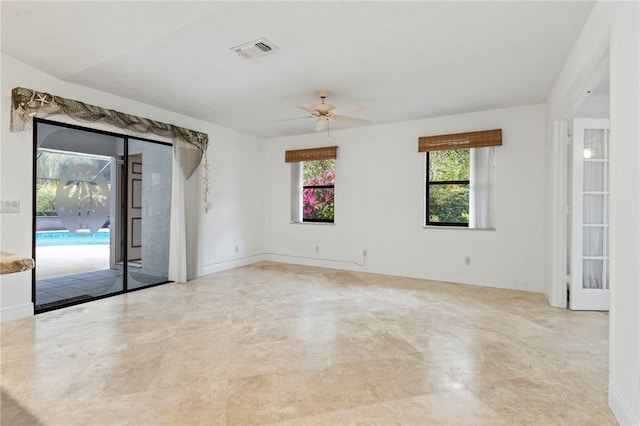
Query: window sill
[293, 222]
[457, 228]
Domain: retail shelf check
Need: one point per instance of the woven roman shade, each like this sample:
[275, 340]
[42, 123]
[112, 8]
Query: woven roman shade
[460, 140]
[313, 154]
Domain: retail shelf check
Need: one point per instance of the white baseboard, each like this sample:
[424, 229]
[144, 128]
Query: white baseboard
[620, 409]
[230, 264]
[16, 312]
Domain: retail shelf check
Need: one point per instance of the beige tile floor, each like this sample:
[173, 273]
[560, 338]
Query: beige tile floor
[275, 343]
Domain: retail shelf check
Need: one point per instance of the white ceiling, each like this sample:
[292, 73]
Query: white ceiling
[401, 60]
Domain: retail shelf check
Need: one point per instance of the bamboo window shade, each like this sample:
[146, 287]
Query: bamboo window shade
[460, 140]
[312, 154]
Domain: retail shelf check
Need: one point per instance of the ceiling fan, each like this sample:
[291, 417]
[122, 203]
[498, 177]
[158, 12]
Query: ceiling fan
[323, 112]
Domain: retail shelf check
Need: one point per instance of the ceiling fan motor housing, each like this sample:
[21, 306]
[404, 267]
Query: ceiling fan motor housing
[323, 109]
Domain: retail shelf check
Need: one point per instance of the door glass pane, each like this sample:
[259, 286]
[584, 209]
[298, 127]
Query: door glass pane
[594, 176]
[148, 213]
[592, 241]
[593, 209]
[76, 246]
[595, 146]
[592, 274]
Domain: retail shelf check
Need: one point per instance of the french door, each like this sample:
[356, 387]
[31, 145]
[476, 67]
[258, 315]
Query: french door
[590, 216]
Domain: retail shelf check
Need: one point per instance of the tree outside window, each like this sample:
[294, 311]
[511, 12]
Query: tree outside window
[49, 167]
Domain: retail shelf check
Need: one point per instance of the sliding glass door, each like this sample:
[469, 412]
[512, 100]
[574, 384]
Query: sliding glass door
[101, 214]
[148, 212]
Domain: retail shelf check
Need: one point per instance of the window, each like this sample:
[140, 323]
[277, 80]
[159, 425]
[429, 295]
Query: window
[448, 187]
[318, 190]
[312, 184]
[460, 178]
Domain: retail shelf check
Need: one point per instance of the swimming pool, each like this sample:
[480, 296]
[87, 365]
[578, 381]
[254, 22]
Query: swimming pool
[66, 238]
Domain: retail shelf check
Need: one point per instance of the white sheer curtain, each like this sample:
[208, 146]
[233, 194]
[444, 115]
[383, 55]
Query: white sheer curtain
[178, 235]
[296, 192]
[481, 191]
[194, 208]
[185, 213]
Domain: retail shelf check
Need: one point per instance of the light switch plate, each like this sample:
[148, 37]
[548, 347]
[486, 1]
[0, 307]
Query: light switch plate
[9, 206]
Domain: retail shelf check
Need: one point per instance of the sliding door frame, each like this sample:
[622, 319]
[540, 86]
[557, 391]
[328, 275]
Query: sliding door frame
[124, 192]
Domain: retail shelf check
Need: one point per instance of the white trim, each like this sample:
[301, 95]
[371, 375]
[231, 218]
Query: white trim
[621, 411]
[16, 312]
[312, 223]
[558, 224]
[466, 228]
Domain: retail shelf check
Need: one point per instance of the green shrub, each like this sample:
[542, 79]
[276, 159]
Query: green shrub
[46, 199]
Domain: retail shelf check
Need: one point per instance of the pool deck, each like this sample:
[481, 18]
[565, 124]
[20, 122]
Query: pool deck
[58, 261]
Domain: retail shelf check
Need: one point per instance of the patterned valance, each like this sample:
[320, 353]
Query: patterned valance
[27, 103]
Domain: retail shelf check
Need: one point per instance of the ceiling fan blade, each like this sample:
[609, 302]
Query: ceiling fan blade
[347, 109]
[352, 120]
[295, 118]
[322, 124]
[302, 107]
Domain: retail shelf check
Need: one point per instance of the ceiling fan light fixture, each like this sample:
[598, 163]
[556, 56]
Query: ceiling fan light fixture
[323, 108]
[324, 113]
[322, 124]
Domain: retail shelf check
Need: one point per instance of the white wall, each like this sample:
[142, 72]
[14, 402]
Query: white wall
[380, 179]
[616, 25]
[236, 170]
[237, 199]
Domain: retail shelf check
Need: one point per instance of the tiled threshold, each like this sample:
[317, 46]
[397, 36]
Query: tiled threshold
[69, 289]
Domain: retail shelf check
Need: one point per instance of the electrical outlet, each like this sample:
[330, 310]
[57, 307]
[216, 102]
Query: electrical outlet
[365, 252]
[237, 249]
[317, 249]
[467, 260]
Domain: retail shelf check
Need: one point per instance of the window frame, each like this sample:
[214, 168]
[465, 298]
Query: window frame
[296, 157]
[429, 183]
[303, 220]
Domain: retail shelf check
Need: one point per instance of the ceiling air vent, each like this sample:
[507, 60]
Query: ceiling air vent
[255, 48]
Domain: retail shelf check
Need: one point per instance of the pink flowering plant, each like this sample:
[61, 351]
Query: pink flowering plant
[318, 191]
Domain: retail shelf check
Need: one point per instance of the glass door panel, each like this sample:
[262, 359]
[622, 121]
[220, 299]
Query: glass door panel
[590, 270]
[76, 181]
[148, 213]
